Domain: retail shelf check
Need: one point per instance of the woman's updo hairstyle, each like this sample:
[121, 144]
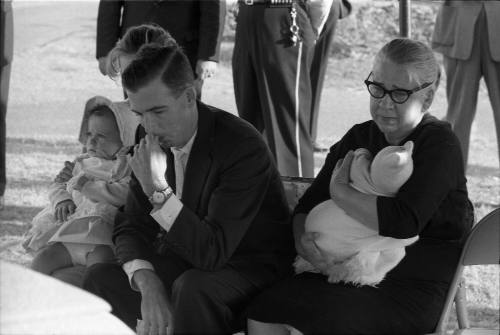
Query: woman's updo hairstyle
[416, 56]
[132, 41]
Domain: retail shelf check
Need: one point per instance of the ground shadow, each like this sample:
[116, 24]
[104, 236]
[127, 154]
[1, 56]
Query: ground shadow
[15, 219]
[482, 171]
[479, 317]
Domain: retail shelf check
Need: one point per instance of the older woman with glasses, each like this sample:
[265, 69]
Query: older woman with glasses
[433, 204]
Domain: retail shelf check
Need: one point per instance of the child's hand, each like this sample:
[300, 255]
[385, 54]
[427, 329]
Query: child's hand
[64, 209]
[341, 175]
[66, 173]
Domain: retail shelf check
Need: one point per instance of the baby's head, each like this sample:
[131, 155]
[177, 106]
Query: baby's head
[103, 135]
[392, 167]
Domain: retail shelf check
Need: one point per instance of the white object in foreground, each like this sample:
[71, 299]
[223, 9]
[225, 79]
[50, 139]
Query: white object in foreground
[33, 303]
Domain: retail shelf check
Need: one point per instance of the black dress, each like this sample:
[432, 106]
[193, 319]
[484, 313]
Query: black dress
[433, 203]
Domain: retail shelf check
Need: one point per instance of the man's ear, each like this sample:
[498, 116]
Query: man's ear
[191, 95]
[429, 97]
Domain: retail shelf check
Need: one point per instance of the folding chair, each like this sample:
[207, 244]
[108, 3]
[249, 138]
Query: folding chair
[481, 248]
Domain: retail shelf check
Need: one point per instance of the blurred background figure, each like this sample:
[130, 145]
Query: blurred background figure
[467, 34]
[339, 10]
[275, 81]
[196, 25]
[6, 52]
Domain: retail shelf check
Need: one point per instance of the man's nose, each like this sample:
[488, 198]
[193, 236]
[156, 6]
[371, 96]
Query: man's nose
[92, 140]
[147, 122]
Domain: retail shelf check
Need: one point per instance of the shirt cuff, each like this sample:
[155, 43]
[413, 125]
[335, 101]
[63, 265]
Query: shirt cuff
[166, 215]
[134, 265]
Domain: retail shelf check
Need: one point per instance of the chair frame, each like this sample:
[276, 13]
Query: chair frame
[470, 256]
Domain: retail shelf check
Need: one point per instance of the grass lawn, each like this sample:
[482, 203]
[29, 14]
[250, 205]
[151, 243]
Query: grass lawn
[55, 72]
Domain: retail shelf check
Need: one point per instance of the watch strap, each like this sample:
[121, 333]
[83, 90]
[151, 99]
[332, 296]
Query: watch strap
[167, 192]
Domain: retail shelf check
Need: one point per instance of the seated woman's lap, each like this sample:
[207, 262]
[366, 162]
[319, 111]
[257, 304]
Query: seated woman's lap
[312, 305]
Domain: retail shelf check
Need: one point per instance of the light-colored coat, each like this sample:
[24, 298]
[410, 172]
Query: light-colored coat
[455, 23]
[355, 253]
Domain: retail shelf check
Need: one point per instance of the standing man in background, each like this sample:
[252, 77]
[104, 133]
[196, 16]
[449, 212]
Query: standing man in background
[272, 61]
[339, 10]
[6, 53]
[196, 25]
[466, 33]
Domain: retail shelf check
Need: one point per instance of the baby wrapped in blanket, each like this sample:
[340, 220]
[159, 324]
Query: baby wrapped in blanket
[356, 253]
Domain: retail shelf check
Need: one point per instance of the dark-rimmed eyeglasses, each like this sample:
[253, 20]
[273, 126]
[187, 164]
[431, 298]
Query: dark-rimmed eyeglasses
[398, 95]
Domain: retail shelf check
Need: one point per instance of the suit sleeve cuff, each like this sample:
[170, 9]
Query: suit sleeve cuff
[167, 214]
[134, 265]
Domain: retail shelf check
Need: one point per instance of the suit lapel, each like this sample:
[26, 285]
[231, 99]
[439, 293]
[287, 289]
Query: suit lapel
[200, 159]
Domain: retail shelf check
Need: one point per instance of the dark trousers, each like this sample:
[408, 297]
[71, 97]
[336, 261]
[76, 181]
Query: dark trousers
[319, 65]
[6, 52]
[202, 302]
[272, 83]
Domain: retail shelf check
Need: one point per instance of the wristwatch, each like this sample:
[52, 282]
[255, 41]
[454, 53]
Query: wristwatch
[160, 197]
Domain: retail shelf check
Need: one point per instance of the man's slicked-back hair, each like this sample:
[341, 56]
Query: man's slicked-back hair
[156, 61]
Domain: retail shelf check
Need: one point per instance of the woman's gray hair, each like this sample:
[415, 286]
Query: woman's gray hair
[416, 56]
[132, 41]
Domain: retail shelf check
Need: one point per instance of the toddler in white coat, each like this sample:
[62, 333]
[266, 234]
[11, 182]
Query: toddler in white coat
[76, 227]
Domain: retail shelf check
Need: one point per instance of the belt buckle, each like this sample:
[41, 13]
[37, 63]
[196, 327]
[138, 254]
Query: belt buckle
[249, 2]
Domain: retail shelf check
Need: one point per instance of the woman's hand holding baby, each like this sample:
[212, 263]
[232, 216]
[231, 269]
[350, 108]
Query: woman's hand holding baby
[64, 209]
[149, 164]
[305, 243]
[339, 184]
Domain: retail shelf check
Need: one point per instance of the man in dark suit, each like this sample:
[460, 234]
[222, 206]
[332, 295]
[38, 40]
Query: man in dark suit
[206, 224]
[196, 25]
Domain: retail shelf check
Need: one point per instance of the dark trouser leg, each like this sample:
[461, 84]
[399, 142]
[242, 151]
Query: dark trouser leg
[210, 302]
[110, 282]
[318, 67]
[244, 77]
[313, 306]
[283, 84]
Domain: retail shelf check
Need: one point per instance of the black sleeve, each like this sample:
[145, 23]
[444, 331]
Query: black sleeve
[319, 190]
[212, 19]
[135, 230]
[108, 26]
[437, 164]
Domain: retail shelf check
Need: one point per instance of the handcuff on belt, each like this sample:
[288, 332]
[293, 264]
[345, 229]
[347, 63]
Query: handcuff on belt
[294, 27]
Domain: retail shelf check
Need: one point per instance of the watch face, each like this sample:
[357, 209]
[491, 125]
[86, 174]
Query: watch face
[158, 197]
